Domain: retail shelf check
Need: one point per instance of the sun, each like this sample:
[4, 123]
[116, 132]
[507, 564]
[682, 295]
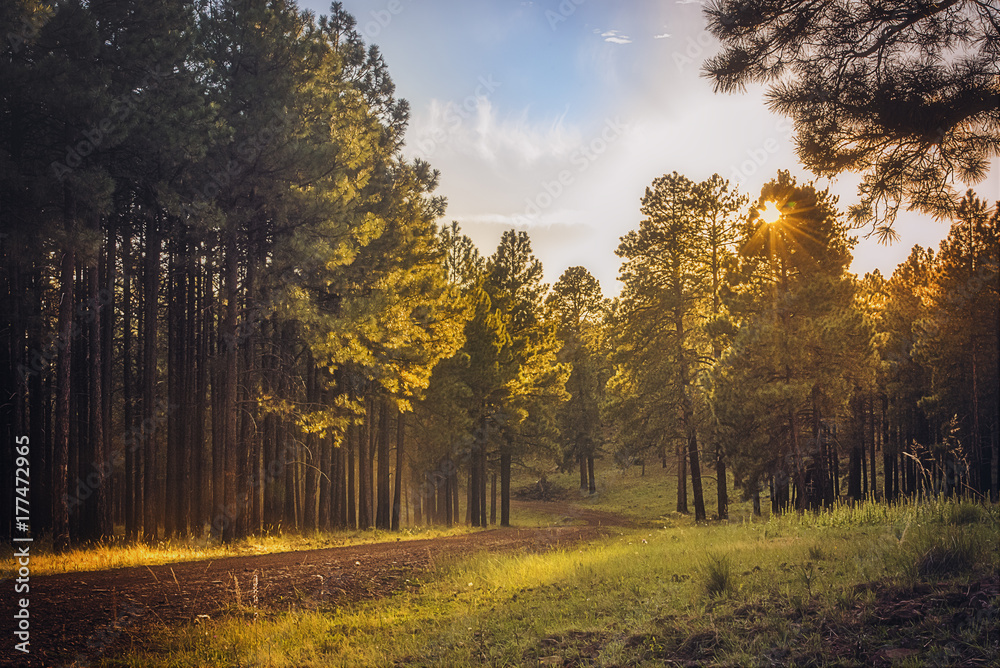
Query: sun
[770, 213]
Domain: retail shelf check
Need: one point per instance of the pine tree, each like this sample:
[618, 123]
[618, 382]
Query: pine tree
[904, 93]
[577, 307]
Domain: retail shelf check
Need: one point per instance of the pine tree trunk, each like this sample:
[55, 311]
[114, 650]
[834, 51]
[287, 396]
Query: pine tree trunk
[452, 478]
[722, 484]
[98, 478]
[107, 328]
[351, 492]
[60, 467]
[132, 503]
[151, 282]
[199, 479]
[364, 470]
[493, 498]
[175, 417]
[592, 482]
[505, 461]
[231, 467]
[873, 442]
[312, 479]
[384, 511]
[326, 478]
[478, 446]
[397, 492]
[682, 503]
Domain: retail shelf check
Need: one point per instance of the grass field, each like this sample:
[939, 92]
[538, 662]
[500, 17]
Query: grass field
[909, 584]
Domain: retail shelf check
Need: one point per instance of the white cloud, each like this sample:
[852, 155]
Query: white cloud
[475, 129]
[616, 37]
[663, 36]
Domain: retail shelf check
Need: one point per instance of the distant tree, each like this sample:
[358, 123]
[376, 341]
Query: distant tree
[799, 344]
[718, 209]
[903, 92]
[661, 304]
[534, 380]
[577, 307]
[959, 339]
[905, 379]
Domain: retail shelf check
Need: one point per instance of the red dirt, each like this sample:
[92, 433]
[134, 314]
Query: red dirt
[79, 617]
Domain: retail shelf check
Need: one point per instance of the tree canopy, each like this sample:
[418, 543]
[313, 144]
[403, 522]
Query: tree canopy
[905, 93]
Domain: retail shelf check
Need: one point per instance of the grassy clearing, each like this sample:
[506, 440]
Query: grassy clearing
[849, 587]
[104, 556]
[648, 496]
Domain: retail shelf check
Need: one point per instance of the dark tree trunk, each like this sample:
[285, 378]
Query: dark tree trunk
[722, 484]
[493, 498]
[873, 441]
[592, 481]
[351, 491]
[364, 469]
[682, 499]
[397, 491]
[99, 468]
[228, 514]
[505, 460]
[312, 460]
[327, 475]
[151, 282]
[60, 467]
[383, 513]
[107, 357]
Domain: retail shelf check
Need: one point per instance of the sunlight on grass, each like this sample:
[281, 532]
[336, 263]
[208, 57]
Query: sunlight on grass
[633, 598]
[104, 556]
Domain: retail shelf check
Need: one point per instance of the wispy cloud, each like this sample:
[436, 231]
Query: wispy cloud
[663, 36]
[616, 37]
[476, 129]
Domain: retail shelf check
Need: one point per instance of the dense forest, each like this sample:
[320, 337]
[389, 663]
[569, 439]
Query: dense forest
[232, 306]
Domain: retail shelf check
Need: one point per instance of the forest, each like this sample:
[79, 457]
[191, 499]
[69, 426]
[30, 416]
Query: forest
[233, 306]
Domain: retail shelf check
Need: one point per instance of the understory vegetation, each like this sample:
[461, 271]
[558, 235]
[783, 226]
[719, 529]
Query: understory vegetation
[863, 585]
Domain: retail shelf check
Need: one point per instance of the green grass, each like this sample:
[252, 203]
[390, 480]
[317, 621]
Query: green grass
[795, 590]
[649, 497]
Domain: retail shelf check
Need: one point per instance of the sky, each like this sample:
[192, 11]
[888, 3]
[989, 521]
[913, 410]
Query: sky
[553, 116]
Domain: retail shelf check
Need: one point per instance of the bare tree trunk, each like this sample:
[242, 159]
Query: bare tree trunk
[493, 498]
[383, 519]
[397, 493]
[60, 468]
[228, 513]
[151, 281]
[505, 460]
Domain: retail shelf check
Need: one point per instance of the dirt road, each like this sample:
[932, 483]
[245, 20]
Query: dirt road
[78, 617]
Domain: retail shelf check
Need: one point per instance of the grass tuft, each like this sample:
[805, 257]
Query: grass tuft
[952, 553]
[717, 575]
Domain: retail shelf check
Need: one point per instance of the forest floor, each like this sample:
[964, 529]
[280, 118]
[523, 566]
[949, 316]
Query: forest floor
[80, 617]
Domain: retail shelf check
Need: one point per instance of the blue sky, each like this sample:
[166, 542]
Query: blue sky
[554, 115]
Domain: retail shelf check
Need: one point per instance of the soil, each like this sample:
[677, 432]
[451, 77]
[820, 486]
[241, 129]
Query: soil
[77, 618]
